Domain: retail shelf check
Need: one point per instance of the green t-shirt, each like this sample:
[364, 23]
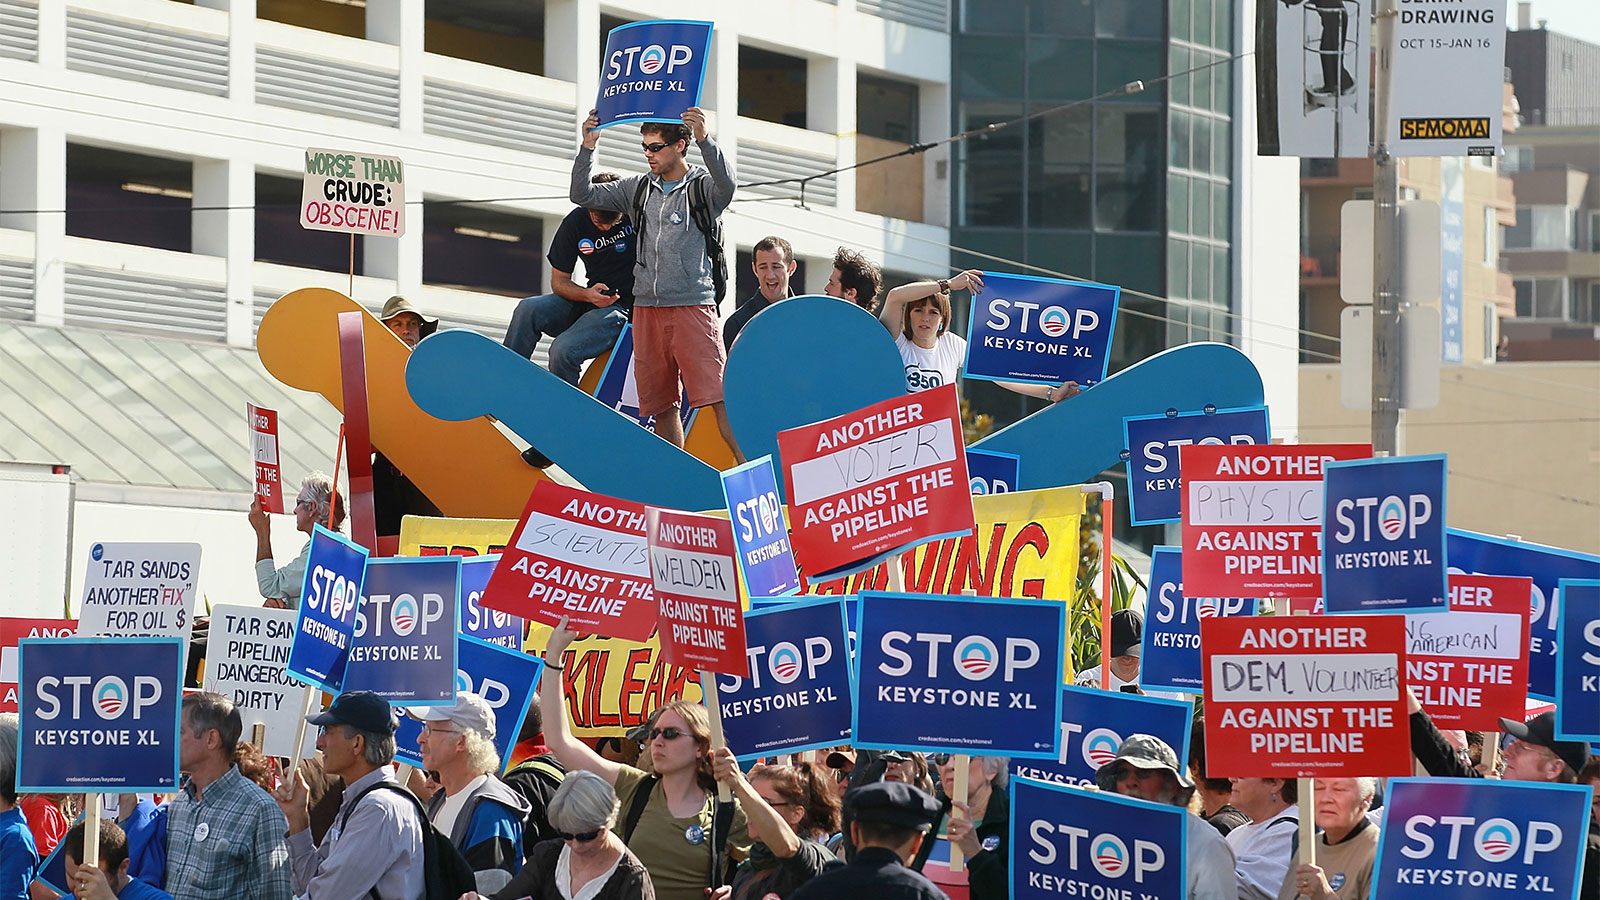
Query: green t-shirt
[677, 868]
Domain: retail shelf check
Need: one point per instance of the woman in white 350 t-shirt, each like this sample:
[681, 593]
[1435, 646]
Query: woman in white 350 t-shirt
[918, 315]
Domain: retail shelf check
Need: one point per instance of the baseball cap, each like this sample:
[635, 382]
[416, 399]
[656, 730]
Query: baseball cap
[470, 711]
[360, 709]
[842, 759]
[1541, 730]
[1127, 633]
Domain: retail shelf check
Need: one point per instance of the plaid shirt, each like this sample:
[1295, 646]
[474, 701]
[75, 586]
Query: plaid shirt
[227, 843]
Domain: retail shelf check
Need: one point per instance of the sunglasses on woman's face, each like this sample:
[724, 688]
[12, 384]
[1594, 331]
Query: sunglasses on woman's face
[670, 734]
[582, 837]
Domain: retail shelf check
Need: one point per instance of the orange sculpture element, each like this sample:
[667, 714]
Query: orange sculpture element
[468, 469]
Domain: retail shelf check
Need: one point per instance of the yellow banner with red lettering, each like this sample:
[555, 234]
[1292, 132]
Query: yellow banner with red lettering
[1026, 545]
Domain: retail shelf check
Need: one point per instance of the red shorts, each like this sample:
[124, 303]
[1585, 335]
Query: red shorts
[673, 342]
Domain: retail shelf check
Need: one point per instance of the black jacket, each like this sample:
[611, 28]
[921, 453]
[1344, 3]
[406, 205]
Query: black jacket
[877, 873]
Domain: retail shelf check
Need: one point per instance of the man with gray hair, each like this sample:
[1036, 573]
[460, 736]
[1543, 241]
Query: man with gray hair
[1146, 768]
[481, 815]
[375, 847]
[224, 833]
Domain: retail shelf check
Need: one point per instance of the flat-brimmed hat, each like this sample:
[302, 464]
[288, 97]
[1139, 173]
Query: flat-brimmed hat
[1147, 752]
[890, 803]
[397, 304]
[1541, 730]
[469, 711]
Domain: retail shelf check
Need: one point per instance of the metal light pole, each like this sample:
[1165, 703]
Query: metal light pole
[1386, 268]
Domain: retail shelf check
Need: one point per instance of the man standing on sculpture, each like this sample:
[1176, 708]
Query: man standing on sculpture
[676, 330]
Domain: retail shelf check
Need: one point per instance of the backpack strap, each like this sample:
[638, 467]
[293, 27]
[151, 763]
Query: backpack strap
[639, 194]
[540, 766]
[415, 803]
[700, 212]
[721, 824]
[641, 799]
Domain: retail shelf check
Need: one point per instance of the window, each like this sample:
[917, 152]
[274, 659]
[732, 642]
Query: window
[772, 87]
[280, 239]
[1594, 231]
[1541, 298]
[1491, 340]
[1059, 166]
[991, 167]
[1491, 254]
[507, 35]
[1518, 159]
[886, 108]
[1543, 228]
[1127, 151]
[1588, 310]
[130, 198]
[481, 249]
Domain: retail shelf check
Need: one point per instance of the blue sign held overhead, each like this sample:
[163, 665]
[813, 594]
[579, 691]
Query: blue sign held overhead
[959, 674]
[1069, 842]
[1481, 839]
[1093, 724]
[329, 596]
[1154, 486]
[798, 695]
[1171, 660]
[1383, 546]
[490, 625]
[405, 636]
[1578, 661]
[1483, 554]
[652, 71]
[760, 534]
[98, 715]
[1042, 330]
[508, 680]
[992, 472]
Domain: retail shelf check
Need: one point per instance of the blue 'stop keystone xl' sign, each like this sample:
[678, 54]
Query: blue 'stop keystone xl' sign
[1040, 329]
[652, 71]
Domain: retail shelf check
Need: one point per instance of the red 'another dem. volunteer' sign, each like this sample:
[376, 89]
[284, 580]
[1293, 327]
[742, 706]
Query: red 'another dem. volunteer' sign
[875, 482]
[1305, 697]
[1252, 518]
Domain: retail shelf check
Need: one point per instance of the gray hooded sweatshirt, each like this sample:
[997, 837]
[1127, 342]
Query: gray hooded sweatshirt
[672, 267]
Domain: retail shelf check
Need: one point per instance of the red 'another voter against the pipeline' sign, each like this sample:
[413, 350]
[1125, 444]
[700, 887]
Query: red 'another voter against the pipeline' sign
[1309, 697]
[875, 482]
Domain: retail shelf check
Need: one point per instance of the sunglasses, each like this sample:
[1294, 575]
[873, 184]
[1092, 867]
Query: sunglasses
[582, 837]
[657, 147]
[939, 759]
[670, 734]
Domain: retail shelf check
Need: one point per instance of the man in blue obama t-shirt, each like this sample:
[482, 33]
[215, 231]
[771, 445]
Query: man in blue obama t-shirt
[585, 321]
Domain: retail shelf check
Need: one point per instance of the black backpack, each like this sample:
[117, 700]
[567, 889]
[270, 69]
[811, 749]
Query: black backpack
[700, 212]
[446, 875]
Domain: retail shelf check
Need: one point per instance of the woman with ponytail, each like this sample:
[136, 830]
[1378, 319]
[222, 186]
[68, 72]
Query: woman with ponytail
[790, 810]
